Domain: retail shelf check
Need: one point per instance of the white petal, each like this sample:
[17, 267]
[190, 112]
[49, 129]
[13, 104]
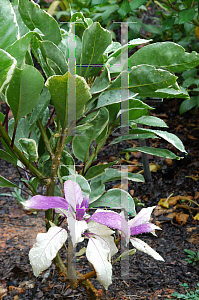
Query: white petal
[76, 229]
[98, 256]
[142, 217]
[109, 244]
[46, 248]
[99, 229]
[142, 246]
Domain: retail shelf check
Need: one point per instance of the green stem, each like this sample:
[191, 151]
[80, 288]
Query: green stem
[45, 139]
[98, 148]
[21, 157]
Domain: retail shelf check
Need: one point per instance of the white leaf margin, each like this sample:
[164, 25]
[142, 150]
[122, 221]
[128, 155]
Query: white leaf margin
[143, 247]
[45, 249]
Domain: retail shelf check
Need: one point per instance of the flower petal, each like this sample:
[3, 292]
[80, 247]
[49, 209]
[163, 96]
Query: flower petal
[45, 202]
[148, 227]
[142, 217]
[98, 255]
[142, 246]
[76, 229]
[111, 219]
[73, 193]
[46, 247]
[85, 202]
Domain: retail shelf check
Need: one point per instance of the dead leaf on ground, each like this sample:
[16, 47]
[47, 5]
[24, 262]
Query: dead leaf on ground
[171, 215]
[196, 196]
[196, 218]
[121, 186]
[159, 211]
[173, 200]
[191, 229]
[182, 218]
[18, 290]
[3, 290]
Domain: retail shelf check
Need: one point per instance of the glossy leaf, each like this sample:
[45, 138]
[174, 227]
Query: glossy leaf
[151, 121]
[97, 170]
[8, 64]
[6, 183]
[34, 17]
[6, 156]
[58, 87]
[94, 42]
[169, 137]
[114, 174]
[19, 48]
[189, 104]
[166, 55]
[81, 144]
[23, 29]
[136, 4]
[51, 53]
[23, 91]
[23, 131]
[9, 30]
[30, 148]
[112, 198]
[153, 151]
[142, 136]
[42, 104]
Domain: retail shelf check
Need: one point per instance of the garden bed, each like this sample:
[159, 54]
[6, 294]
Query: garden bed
[148, 279]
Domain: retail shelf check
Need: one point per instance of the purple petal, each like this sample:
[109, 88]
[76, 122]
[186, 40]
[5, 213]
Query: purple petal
[45, 202]
[80, 213]
[142, 217]
[148, 227]
[111, 219]
[85, 202]
[73, 193]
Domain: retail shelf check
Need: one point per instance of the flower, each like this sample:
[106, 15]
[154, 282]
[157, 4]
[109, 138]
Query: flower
[140, 224]
[96, 228]
[101, 246]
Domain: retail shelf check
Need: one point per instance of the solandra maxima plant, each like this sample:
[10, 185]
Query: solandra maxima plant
[79, 91]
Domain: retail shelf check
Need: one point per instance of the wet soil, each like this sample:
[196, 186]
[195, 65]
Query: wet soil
[147, 278]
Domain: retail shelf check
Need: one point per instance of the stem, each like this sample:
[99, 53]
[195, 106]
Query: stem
[14, 133]
[21, 157]
[45, 139]
[51, 117]
[71, 271]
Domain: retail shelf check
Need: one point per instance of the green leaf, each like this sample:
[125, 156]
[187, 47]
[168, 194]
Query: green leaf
[19, 48]
[114, 174]
[34, 17]
[165, 55]
[42, 104]
[112, 198]
[94, 42]
[97, 170]
[23, 91]
[7, 66]
[133, 137]
[23, 29]
[189, 104]
[136, 4]
[101, 82]
[51, 53]
[22, 131]
[6, 183]
[142, 79]
[30, 148]
[9, 30]
[186, 15]
[6, 156]
[59, 88]
[81, 144]
[124, 8]
[151, 121]
[171, 93]
[169, 137]
[153, 151]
